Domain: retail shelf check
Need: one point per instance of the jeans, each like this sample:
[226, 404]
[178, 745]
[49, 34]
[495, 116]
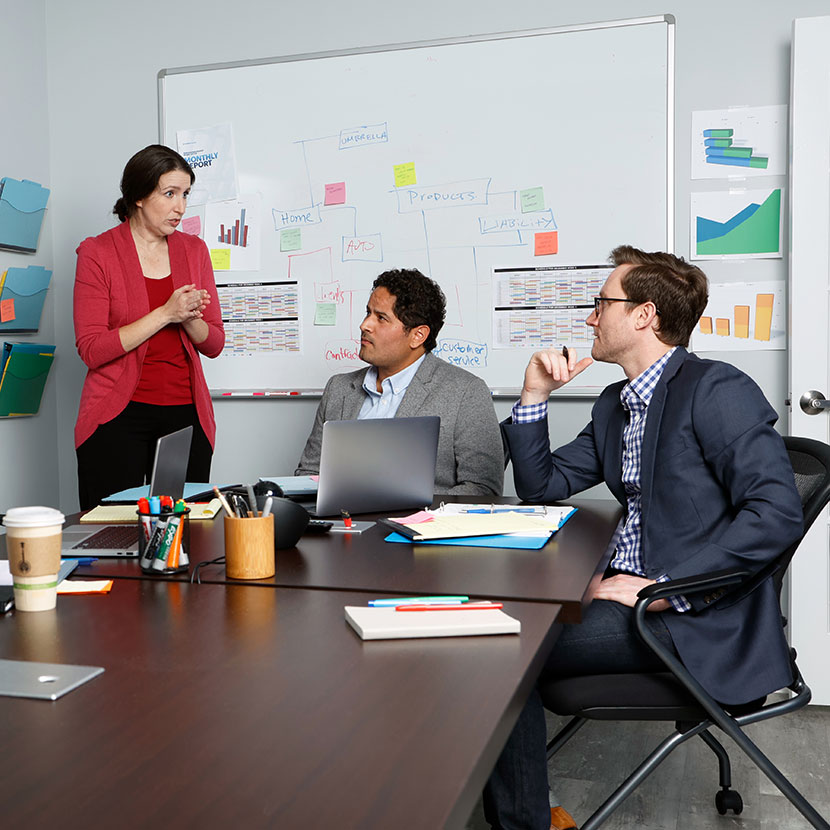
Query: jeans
[606, 642]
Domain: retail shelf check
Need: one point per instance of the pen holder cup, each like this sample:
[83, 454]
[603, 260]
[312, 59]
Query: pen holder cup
[249, 548]
[163, 550]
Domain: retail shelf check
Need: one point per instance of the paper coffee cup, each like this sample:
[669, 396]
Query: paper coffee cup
[33, 544]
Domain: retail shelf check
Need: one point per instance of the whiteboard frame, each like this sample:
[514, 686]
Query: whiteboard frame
[668, 19]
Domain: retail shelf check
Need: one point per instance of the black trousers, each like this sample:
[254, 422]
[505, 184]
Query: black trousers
[120, 453]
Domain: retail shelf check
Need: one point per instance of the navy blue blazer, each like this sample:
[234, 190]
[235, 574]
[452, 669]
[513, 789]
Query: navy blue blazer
[717, 492]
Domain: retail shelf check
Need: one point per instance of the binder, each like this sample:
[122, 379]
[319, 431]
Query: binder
[22, 208]
[22, 293]
[25, 367]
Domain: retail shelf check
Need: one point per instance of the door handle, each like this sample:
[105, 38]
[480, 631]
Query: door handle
[813, 402]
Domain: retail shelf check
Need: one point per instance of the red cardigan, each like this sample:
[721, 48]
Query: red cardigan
[110, 293]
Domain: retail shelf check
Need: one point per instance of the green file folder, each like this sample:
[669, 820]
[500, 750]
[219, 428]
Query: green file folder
[24, 372]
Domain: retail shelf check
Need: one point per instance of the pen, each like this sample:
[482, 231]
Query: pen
[266, 508]
[252, 500]
[396, 601]
[225, 505]
[87, 560]
[466, 606]
[565, 352]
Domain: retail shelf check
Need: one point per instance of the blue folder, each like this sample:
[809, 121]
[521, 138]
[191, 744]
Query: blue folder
[22, 207]
[27, 288]
[504, 541]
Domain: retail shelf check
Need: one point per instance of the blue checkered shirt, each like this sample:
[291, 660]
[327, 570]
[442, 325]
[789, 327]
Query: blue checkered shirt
[635, 398]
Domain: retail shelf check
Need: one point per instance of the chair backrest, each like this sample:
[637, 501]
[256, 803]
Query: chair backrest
[811, 467]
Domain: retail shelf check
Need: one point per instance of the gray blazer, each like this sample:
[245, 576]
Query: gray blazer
[470, 455]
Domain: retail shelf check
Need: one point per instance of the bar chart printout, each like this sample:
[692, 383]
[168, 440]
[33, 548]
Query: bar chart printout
[237, 234]
[545, 307]
[742, 317]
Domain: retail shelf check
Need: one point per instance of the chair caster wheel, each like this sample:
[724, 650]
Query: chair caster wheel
[729, 800]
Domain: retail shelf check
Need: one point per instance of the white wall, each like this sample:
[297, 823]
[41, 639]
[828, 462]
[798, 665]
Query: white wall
[28, 446]
[103, 57]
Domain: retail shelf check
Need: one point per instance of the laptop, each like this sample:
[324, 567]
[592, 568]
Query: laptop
[377, 465]
[169, 473]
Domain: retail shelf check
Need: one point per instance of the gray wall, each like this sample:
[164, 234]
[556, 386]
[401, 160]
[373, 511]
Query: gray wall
[28, 446]
[102, 57]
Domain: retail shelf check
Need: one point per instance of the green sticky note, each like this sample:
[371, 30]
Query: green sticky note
[325, 314]
[532, 199]
[221, 259]
[290, 239]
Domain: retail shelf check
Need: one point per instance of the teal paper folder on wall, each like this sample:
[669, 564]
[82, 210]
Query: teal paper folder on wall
[22, 207]
[22, 292]
[23, 377]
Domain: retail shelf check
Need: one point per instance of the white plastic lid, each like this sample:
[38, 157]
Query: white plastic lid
[33, 517]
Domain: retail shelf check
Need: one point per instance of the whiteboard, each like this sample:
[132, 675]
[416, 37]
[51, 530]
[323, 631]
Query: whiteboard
[457, 157]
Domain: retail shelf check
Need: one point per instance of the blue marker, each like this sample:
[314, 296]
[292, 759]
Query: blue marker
[380, 603]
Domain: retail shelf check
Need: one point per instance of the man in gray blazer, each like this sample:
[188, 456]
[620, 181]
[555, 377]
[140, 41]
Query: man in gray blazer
[404, 314]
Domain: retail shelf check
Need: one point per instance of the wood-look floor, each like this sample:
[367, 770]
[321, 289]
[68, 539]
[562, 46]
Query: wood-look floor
[680, 794]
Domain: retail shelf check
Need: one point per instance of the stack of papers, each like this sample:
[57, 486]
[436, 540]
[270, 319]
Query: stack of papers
[389, 624]
[482, 526]
[114, 514]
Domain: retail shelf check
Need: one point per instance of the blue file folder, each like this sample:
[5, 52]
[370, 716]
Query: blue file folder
[26, 287]
[22, 207]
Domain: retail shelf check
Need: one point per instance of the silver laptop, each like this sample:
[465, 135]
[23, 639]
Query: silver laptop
[169, 474]
[376, 465]
[49, 681]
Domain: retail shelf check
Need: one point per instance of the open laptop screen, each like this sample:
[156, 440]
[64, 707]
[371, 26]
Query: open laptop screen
[377, 464]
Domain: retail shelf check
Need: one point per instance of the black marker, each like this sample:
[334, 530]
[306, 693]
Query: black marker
[565, 352]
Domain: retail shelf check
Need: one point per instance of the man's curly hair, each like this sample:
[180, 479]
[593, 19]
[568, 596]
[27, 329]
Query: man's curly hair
[418, 301]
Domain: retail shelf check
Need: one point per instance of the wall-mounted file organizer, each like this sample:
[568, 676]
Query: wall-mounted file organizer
[23, 373]
[22, 207]
[22, 293]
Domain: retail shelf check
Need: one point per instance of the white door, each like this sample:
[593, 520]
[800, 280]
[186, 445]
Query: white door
[809, 347]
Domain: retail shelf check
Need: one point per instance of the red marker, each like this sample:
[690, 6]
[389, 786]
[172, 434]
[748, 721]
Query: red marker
[347, 519]
[464, 606]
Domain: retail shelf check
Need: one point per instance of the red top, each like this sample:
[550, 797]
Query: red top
[110, 293]
[165, 373]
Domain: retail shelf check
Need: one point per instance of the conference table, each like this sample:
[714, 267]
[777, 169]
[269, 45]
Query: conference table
[255, 702]
[564, 571]
[233, 706]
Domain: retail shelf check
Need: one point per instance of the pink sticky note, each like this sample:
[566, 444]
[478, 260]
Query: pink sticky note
[415, 519]
[546, 243]
[335, 193]
[192, 225]
[7, 310]
[315, 478]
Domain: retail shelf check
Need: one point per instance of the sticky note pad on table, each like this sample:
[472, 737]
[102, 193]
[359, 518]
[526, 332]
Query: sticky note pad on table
[388, 624]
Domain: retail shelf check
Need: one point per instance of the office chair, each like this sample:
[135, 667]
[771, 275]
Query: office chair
[674, 695]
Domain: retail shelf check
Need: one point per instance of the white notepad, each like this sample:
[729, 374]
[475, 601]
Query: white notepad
[389, 624]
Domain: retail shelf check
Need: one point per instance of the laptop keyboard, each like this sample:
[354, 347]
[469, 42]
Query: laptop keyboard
[117, 537]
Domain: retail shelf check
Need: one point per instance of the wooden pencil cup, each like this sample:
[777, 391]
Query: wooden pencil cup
[249, 548]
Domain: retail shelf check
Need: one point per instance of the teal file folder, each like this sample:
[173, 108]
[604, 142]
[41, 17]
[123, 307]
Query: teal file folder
[22, 207]
[24, 372]
[22, 293]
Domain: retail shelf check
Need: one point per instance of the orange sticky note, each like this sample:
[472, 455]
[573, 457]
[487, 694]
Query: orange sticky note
[546, 243]
[7, 310]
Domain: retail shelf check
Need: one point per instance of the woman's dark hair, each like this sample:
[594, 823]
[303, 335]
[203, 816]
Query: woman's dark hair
[418, 301]
[142, 173]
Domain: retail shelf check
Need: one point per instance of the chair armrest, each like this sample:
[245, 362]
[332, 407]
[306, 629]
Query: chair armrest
[691, 584]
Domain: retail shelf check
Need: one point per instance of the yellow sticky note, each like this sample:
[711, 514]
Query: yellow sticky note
[405, 174]
[221, 259]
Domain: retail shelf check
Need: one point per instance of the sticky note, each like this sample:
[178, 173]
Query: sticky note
[290, 239]
[405, 174]
[335, 193]
[532, 199]
[192, 225]
[221, 259]
[7, 310]
[325, 314]
[546, 243]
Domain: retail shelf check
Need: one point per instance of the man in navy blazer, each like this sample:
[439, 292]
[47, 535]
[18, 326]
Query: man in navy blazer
[688, 447]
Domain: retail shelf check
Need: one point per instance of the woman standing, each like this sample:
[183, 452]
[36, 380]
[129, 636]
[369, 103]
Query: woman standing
[145, 307]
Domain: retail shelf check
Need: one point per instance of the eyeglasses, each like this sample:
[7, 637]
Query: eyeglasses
[598, 301]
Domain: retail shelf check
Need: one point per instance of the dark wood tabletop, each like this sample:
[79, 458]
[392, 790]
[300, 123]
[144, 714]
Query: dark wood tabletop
[564, 571]
[232, 706]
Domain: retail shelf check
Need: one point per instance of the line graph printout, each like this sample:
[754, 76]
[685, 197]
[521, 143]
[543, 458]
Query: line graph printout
[260, 317]
[542, 308]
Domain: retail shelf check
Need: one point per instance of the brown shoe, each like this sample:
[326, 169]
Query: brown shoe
[561, 819]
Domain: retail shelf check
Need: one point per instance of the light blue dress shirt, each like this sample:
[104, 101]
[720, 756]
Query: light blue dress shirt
[385, 404]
